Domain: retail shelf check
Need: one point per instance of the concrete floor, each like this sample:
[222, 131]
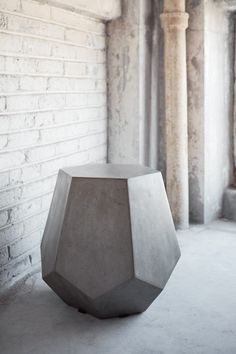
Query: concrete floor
[196, 313]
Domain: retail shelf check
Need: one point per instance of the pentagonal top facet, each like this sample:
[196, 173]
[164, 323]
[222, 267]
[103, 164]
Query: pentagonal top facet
[108, 171]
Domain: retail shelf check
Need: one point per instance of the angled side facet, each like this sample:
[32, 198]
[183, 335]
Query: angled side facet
[53, 228]
[131, 297]
[95, 250]
[155, 247]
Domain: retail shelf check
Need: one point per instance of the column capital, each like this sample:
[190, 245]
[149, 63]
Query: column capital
[174, 21]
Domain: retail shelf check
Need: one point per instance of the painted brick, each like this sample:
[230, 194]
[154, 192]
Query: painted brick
[13, 5]
[76, 100]
[90, 40]
[101, 56]
[8, 83]
[97, 99]
[2, 63]
[44, 119]
[2, 104]
[9, 43]
[88, 142]
[8, 160]
[97, 71]
[58, 84]
[24, 244]
[74, 68]
[16, 122]
[28, 83]
[22, 103]
[40, 153]
[3, 141]
[46, 201]
[33, 66]
[34, 46]
[3, 256]
[25, 209]
[4, 179]
[36, 221]
[45, 122]
[69, 146]
[28, 173]
[80, 22]
[10, 196]
[35, 8]
[34, 27]
[3, 218]
[22, 139]
[51, 101]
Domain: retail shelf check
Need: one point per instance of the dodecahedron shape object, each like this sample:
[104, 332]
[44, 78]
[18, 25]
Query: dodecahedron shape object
[109, 245]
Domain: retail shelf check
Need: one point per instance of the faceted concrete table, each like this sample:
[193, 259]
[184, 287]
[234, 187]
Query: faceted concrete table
[109, 245]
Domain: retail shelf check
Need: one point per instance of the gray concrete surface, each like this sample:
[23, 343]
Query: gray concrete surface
[196, 313]
[136, 74]
[229, 203]
[109, 245]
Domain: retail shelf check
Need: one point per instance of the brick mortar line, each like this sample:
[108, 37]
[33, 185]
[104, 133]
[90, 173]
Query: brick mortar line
[48, 39]
[43, 57]
[25, 200]
[3, 190]
[52, 109]
[22, 220]
[55, 126]
[40, 162]
[24, 236]
[56, 157]
[69, 138]
[35, 180]
[59, 24]
[48, 92]
[49, 76]
[21, 255]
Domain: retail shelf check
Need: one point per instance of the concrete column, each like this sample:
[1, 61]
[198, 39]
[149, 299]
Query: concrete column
[234, 110]
[174, 21]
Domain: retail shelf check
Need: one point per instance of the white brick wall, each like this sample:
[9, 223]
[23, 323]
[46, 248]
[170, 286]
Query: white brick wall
[52, 114]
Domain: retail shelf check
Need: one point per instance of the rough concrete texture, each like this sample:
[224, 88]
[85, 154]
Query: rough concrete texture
[218, 88]
[229, 4]
[210, 106]
[174, 25]
[135, 93]
[195, 84]
[229, 204]
[234, 106]
[109, 245]
[134, 63]
[194, 314]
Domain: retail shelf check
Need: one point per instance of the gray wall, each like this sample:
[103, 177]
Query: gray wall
[136, 102]
[195, 74]
[135, 95]
[210, 106]
[218, 106]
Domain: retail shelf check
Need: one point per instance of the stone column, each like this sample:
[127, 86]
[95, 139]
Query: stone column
[174, 21]
[234, 110]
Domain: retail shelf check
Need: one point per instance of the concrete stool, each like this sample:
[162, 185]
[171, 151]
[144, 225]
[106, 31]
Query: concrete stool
[109, 245]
